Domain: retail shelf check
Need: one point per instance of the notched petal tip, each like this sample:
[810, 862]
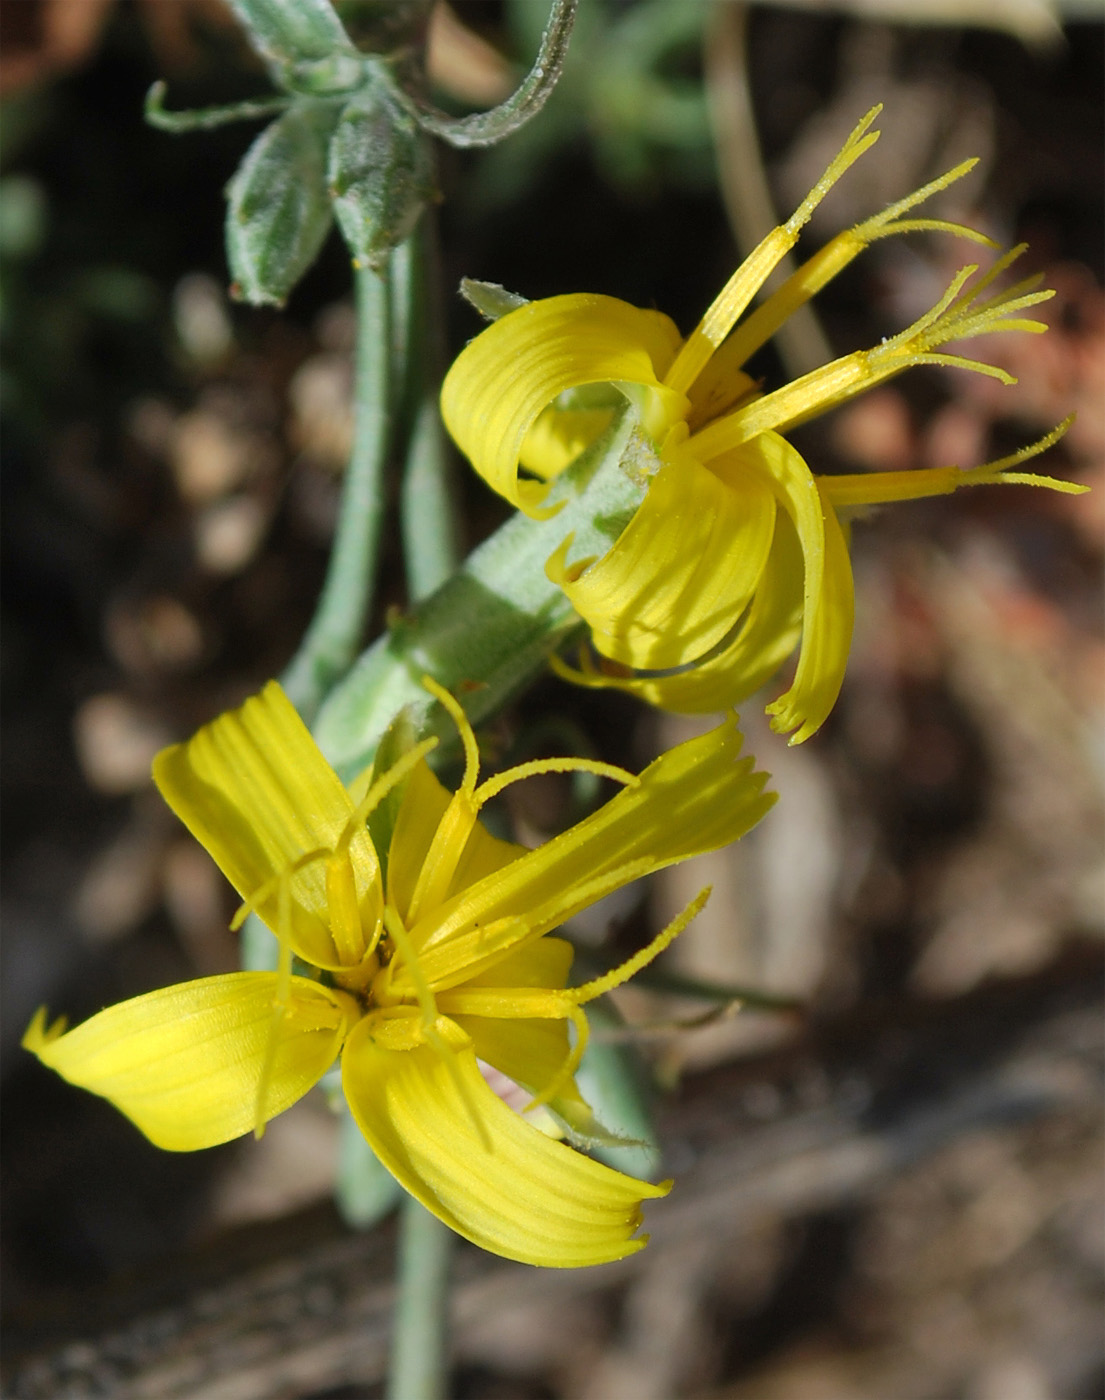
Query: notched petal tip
[41, 1033]
[530, 1198]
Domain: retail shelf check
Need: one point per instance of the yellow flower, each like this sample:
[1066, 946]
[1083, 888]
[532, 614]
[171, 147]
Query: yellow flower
[413, 972]
[737, 550]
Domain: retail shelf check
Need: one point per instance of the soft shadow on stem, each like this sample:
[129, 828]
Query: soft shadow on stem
[418, 1368]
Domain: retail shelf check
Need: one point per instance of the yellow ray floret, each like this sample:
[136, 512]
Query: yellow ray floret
[736, 555]
[414, 977]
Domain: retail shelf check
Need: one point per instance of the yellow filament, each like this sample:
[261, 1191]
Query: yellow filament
[495, 785]
[1007, 259]
[879, 224]
[859, 141]
[380, 789]
[571, 1063]
[456, 824]
[1032, 450]
[464, 729]
[971, 317]
[935, 314]
[249, 906]
[443, 856]
[341, 887]
[829, 262]
[404, 950]
[596, 988]
[956, 316]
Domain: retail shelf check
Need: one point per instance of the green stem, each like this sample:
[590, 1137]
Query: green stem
[208, 118]
[418, 1359]
[490, 628]
[427, 504]
[336, 630]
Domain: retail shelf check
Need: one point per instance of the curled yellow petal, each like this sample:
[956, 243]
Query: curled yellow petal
[504, 379]
[828, 602]
[183, 1063]
[254, 789]
[678, 577]
[509, 1188]
[826, 639]
[558, 437]
[765, 638]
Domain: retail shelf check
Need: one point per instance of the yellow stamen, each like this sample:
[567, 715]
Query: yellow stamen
[459, 818]
[380, 789]
[881, 488]
[572, 1061]
[735, 296]
[404, 952]
[464, 729]
[954, 317]
[606, 983]
[250, 905]
[818, 271]
[443, 857]
[493, 786]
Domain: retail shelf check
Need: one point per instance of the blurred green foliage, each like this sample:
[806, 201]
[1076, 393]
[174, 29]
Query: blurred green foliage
[631, 89]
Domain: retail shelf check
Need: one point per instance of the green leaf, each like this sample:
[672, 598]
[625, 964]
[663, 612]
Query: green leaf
[279, 204]
[292, 31]
[490, 627]
[488, 128]
[381, 174]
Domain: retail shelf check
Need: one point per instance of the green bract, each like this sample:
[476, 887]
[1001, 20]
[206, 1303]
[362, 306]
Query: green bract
[381, 173]
[279, 205]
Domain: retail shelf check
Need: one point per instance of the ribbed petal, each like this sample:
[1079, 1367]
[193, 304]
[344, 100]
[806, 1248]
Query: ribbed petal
[504, 379]
[828, 596]
[694, 798]
[545, 963]
[766, 637]
[184, 1063]
[254, 789]
[826, 639]
[681, 573]
[509, 1188]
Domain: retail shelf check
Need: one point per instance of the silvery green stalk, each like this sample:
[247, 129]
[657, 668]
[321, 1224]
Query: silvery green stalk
[491, 627]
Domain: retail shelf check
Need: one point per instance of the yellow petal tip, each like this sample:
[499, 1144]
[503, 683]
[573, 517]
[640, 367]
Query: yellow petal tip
[39, 1034]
